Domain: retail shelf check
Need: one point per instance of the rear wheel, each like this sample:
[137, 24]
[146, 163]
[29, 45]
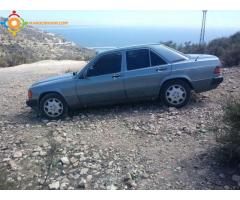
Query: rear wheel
[175, 93]
[53, 106]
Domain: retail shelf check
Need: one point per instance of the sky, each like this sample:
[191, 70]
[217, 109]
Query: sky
[188, 19]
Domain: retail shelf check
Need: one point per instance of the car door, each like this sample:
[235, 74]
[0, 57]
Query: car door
[103, 82]
[144, 71]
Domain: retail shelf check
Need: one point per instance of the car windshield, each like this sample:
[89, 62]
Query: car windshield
[170, 54]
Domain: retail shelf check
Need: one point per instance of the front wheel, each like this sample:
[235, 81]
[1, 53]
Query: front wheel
[175, 93]
[53, 106]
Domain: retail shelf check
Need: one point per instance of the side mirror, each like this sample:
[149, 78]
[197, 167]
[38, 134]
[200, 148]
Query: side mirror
[83, 75]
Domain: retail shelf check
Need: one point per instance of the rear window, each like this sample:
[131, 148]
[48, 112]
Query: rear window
[156, 60]
[170, 54]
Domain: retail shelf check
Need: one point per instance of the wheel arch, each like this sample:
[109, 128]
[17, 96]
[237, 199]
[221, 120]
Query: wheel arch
[51, 92]
[176, 78]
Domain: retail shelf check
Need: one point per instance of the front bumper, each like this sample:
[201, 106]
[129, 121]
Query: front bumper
[32, 103]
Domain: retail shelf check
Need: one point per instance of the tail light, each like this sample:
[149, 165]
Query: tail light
[29, 94]
[217, 70]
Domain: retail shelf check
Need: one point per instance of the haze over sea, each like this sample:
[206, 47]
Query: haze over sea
[103, 37]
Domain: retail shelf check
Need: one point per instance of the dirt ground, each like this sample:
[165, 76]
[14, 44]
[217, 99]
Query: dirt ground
[131, 146]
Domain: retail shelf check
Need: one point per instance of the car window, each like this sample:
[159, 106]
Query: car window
[156, 60]
[170, 54]
[137, 59]
[107, 64]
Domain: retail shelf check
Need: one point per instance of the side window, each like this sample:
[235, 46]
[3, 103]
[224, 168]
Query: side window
[137, 59]
[107, 64]
[156, 60]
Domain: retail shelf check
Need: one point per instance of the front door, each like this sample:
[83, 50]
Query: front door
[103, 83]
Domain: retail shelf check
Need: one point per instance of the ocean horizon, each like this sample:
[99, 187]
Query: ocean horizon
[99, 37]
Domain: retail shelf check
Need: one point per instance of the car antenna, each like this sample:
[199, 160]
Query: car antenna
[196, 58]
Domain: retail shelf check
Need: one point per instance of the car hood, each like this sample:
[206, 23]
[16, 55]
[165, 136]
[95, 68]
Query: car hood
[55, 79]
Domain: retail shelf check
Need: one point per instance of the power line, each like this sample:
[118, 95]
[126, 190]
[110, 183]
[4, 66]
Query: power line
[202, 34]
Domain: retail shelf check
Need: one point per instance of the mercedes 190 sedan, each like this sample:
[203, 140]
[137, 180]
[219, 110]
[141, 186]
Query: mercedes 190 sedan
[128, 74]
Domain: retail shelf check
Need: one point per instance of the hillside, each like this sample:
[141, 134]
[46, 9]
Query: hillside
[31, 45]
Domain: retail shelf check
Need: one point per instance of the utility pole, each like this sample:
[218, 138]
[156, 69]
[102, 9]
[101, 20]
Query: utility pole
[202, 34]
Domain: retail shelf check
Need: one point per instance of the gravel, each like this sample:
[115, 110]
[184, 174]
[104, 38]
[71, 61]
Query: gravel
[132, 146]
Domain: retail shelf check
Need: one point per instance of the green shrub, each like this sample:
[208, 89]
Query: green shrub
[226, 48]
[230, 137]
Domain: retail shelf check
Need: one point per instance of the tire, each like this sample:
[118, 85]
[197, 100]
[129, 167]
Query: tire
[175, 93]
[52, 106]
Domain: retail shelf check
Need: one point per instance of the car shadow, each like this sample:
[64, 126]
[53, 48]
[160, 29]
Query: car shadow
[211, 169]
[154, 106]
[29, 116]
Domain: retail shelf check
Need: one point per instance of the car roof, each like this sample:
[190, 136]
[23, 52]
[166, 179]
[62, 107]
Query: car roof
[130, 47]
[171, 55]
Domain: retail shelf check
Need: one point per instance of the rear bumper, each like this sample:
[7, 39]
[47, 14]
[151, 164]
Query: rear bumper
[207, 84]
[216, 81]
[32, 103]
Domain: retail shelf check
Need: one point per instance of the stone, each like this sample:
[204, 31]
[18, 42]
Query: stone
[202, 130]
[43, 153]
[45, 121]
[36, 153]
[89, 178]
[226, 187]
[79, 154]
[64, 186]
[84, 171]
[37, 149]
[74, 176]
[18, 154]
[178, 133]
[73, 160]
[12, 165]
[112, 187]
[110, 163]
[132, 183]
[178, 168]
[54, 186]
[236, 178]
[82, 183]
[6, 159]
[96, 155]
[222, 175]
[65, 161]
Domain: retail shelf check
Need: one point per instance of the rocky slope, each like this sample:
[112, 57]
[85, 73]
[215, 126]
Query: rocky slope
[31, 45]
[132, 146]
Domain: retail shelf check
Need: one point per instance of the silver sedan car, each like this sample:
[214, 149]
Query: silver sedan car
[128, 74]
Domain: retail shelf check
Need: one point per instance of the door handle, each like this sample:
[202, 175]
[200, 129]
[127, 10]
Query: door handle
[116, 75]
[159, 69]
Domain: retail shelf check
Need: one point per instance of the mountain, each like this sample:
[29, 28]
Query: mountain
[31, 45]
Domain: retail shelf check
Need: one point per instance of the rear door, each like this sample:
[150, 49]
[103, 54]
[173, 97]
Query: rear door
[104, 81]
[143, 74]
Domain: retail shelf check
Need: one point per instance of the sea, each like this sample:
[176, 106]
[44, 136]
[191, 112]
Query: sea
[108, 37]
